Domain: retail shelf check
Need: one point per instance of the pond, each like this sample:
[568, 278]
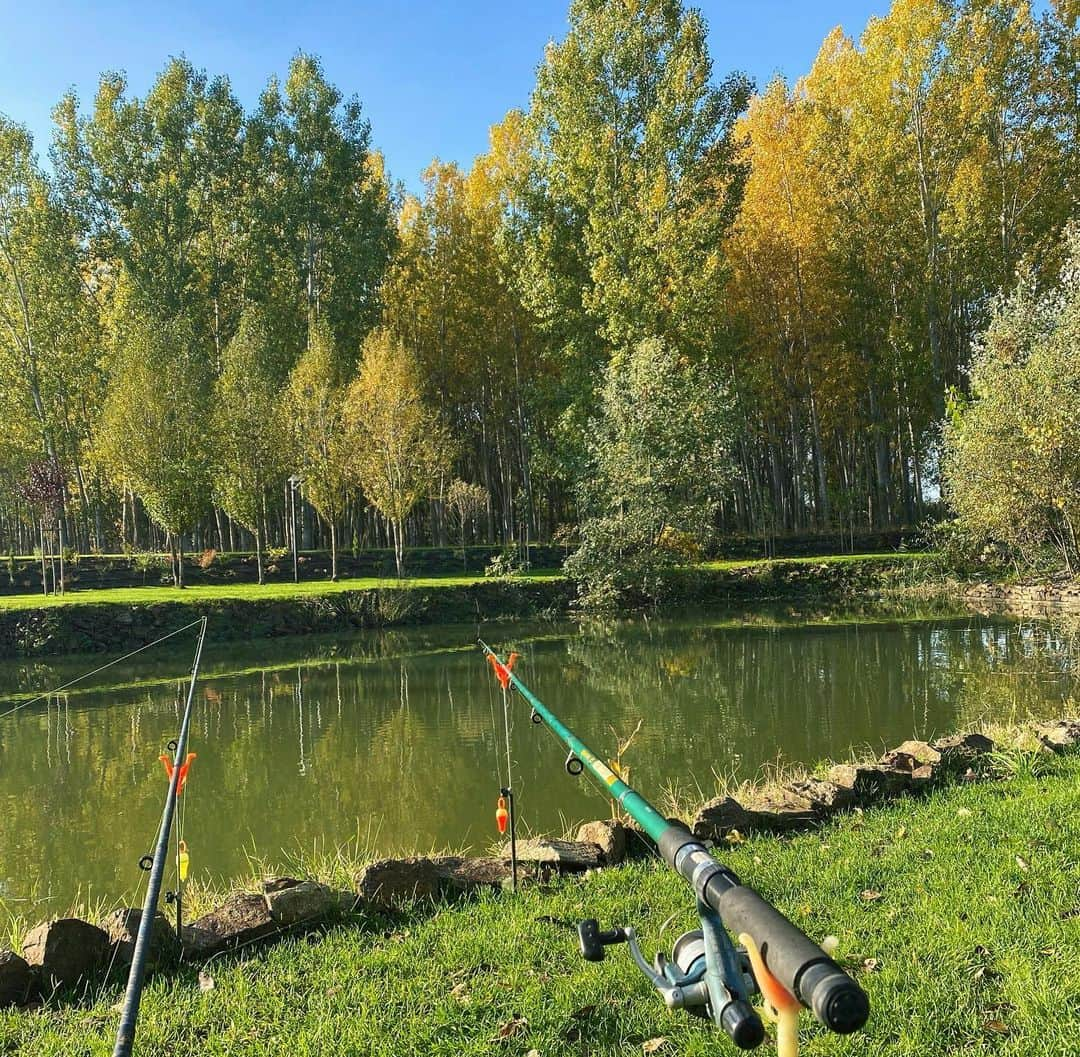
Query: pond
[393, 740]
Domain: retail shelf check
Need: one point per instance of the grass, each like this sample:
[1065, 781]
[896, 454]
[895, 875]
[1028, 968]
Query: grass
[959, 913]
[245, 592]
[320, 588]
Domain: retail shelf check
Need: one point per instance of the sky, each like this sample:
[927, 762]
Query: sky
[432, 77]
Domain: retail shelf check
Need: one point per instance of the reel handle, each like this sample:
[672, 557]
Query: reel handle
[796, 961]
[592, 941]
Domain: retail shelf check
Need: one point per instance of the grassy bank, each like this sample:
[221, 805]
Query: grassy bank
[119, 619]
[129, 596]
[959, 913]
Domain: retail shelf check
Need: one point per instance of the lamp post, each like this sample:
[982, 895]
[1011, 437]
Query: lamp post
[294, 483]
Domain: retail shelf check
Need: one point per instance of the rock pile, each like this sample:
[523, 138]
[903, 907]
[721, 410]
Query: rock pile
[67, 952]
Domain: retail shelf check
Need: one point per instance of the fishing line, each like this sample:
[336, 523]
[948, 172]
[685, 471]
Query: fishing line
[96, 671]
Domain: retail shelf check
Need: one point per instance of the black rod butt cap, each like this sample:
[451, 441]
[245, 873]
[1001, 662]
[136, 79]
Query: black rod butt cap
[838, 1002]
[743, 1025]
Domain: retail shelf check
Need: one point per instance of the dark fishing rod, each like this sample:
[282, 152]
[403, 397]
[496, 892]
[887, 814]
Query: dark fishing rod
[707, 975]
[125, 1035]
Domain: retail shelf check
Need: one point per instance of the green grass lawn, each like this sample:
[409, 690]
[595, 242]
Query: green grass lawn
[959, 914]
[226, 592]
[307, 589]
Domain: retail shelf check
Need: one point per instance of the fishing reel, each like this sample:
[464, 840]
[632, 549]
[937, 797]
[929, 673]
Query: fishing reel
[706, 974]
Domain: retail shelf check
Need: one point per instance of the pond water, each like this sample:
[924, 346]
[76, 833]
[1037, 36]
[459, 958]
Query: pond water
[394, 739]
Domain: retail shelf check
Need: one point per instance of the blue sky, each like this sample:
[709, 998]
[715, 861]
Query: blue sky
[431, 76]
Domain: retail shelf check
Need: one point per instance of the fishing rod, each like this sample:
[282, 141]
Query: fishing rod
[707, 975]
[178, 772]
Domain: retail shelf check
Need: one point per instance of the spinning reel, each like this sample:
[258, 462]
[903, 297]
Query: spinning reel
[706, 975]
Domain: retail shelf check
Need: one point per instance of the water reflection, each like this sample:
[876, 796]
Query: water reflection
[395, 737]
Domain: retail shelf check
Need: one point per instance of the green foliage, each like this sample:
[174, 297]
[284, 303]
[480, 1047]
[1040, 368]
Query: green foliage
[659, 463]
[252, 440]
[630, 188]
[314, 404]
[152, 435]
[1011, 464]
[399, 447]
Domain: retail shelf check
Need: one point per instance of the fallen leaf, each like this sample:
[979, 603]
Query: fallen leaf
[963, 812]
[1023, 863]
[206, 981]
[901, 833]
[868, 895]
[516, 1025]
[461, 993]
[870, 964]
[998, 1027]
[733, 836]
[657, 1045]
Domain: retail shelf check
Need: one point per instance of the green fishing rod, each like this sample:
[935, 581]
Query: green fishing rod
[707, 975]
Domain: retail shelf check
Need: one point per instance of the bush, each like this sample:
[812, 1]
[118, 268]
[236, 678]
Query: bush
[1011, 460]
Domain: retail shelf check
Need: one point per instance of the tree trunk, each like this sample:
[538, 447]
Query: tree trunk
[333, 548]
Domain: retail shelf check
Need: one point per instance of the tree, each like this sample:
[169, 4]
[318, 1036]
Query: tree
[632, 185]
[251, 439]
[660, 460]
[50, 380]
[468, 502]
[321, 211]
[1011, 464]
[399, 446]
[314, 405]
[152, 435]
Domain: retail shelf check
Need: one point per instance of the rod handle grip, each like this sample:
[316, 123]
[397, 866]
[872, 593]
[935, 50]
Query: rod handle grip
[795, 960]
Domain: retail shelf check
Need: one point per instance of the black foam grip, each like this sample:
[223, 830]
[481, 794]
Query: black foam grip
[794, 959]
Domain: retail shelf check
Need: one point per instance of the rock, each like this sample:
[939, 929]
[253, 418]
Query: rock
[564, 855]
[66, 950]
[824, 797]
[16, 979]
[466, 874]
[389, 881]
[1060, 735]
[779, 811]
[960, 751]
[639, 845]
[242, 919]
[869, 782]
[609, 835]
[122, 927]
[921, 751]
[290, 901]
[719, 817]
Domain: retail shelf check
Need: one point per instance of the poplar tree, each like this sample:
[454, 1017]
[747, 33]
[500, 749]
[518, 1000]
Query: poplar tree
[399, 446]
[251, 439]
[314, 402]
[152, 436]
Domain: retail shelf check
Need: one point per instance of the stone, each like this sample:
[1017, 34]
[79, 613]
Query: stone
[564, 855]
[609, 835]
[291, 901]
[66, 950]
[921, 751]
[824, 797]
[960, 751]
[1059, 736]
[779, 811]
[386, 882]
[242, 919]
[715, 819]
[869, 782]
[16, 979]
[122, 927]
[639, 845]
[467, 874]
